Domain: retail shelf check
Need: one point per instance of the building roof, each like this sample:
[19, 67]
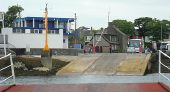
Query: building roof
[102, 32]
[49, 19]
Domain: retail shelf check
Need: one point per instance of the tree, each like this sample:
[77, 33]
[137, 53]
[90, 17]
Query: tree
[142, 26]
[11, 14]
[125, 26]
[155, 29]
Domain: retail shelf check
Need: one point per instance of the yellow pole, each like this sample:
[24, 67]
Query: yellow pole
[46, 49]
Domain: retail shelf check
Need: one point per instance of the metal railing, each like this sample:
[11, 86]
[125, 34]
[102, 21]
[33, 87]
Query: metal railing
[161, 64]
[12, 68]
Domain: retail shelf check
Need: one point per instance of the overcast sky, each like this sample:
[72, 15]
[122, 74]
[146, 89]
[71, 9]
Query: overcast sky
[94, 12]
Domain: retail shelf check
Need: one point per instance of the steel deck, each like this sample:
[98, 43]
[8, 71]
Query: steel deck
[102, 87]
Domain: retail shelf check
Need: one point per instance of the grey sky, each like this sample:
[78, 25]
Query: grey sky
[94, 12]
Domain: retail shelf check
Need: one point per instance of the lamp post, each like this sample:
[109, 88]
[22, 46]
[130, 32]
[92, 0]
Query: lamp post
[167, 25]
[161, 36]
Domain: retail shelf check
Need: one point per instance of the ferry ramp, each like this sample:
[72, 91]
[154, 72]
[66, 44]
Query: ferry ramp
[134, 64]
[108, 64]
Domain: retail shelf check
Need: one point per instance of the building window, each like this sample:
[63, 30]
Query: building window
[18, 31]
[41, 25]
[56, 31]
[98, 38]
[64, 31]
[52, 31]
[61, 25]
[36, 31]
[65, 25]
[40, 31]
[29, 24]
[23, 31]
[55, 25]
[113, 38]
[14, 31]
[32, 30]
[49, 31]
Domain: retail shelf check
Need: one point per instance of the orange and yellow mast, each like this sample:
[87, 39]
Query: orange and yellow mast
[46, 48]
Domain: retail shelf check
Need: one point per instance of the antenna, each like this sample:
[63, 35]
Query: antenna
[75, 28]
[108, 16]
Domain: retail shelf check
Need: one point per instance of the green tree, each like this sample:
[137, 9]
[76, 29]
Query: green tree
[11, 14]
[142, 26]
[125, 26]
[155, 29]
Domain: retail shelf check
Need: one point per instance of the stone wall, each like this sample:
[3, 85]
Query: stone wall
[69, 52]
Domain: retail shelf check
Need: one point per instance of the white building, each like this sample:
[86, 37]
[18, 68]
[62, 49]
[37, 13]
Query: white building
[29, 32]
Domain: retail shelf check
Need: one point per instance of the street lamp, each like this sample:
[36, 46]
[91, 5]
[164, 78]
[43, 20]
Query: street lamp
[161, 37]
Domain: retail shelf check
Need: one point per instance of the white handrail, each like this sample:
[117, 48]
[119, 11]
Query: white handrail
[5, 68]
[12, 68]
[161, 64]
[5, 56]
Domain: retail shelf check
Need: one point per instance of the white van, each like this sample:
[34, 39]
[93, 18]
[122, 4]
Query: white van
[134, 45]
[165, 45]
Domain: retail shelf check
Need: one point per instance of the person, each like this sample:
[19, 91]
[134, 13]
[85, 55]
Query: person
[84, 50]
[110, 49]
[113, 48]
[147, 50]
[140, 49]
[90, 48]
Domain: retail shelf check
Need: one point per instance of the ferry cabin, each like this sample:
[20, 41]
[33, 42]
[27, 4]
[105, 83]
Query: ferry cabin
[28, 32]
